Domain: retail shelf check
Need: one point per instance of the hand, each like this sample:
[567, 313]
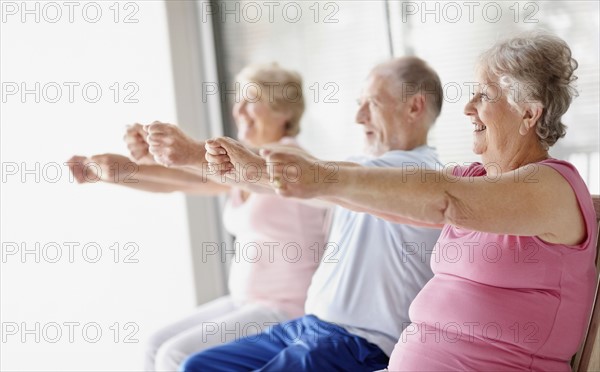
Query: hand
[171, 147]
[76, 166]
[295, 173]
[228, 156]
[111, 168]
[135, 138]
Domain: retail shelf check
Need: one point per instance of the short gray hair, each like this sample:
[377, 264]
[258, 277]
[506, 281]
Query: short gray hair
[535, 68]
[412, 75]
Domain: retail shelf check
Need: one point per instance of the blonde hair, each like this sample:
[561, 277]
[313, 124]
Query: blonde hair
[535, 68]
[280, 88]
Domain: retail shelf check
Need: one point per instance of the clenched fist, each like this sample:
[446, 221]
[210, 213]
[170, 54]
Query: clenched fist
[295, 173]
[171, 147]
[135, 138]
[77, 168]
[111, 168]
[227, 155]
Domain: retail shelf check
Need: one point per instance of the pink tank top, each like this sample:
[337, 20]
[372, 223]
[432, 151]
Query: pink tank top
[502, 302]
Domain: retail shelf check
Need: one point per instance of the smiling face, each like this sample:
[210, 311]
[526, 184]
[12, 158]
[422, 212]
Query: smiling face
[495, 122]
[257, 123]
[381, 115]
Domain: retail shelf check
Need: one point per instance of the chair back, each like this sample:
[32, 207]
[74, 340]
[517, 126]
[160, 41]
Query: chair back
[588, 356]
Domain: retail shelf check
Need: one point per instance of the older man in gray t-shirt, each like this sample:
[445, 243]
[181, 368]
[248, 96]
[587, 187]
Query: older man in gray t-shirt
[359, 297]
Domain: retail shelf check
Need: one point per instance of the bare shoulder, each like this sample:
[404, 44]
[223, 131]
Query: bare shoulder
[561, 201]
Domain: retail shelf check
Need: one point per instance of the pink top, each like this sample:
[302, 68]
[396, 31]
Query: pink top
[502, 302]
[278, 246]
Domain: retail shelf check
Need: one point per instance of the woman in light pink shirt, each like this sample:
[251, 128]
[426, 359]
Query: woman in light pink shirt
[278, 241]
[514, 267]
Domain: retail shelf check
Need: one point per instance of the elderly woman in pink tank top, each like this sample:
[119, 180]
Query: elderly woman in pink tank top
[278, 241]
[514, 266]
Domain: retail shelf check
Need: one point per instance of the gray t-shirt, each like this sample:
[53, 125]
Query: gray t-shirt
[373, 269]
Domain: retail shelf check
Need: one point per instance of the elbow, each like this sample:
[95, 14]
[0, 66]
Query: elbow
[433, 213]
[437, 211]
[454, 211]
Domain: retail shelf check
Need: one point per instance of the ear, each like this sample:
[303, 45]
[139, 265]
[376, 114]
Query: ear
[531, 116]
[288, 116]
[416, 106]
[284, 119]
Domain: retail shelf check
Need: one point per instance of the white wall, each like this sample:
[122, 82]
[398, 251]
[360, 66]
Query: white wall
[139, 296]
